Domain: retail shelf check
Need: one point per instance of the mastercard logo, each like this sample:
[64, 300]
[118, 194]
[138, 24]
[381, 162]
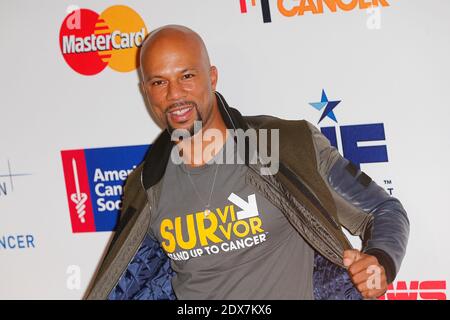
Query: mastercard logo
[89, 42]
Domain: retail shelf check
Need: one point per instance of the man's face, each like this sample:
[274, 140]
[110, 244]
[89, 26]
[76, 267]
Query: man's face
[179, 84]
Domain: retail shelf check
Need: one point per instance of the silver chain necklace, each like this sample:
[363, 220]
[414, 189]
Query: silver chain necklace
[207, 210]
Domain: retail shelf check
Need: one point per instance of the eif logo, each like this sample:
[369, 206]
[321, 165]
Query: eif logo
[89, 42]
[352, 136]
[94, 184]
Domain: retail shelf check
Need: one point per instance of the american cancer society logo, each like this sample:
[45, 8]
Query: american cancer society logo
[94, 184]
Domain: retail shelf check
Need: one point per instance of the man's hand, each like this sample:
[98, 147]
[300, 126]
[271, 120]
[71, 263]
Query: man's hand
[368, 276]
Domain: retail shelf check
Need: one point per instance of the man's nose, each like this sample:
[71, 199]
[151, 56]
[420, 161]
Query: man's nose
[175, 91]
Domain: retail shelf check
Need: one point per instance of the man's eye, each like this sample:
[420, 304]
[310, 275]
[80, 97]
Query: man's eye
[188, 76]
[157, 83]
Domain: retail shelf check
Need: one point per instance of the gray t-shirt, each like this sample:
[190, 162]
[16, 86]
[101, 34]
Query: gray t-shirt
[243, 249]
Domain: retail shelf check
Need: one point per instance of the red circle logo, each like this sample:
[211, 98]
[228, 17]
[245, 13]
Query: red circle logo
[89, 42]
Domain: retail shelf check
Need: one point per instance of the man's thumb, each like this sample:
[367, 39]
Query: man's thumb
[351, 256]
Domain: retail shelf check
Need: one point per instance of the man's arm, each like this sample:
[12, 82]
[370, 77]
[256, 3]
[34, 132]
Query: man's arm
[364, 208]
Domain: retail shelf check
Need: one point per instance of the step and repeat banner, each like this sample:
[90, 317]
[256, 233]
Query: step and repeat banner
[373, 75]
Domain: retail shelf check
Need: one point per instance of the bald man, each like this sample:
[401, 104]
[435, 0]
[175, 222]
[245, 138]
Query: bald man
[193, 227]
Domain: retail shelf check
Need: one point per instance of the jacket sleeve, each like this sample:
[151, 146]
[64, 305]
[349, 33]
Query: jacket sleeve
[363, 207]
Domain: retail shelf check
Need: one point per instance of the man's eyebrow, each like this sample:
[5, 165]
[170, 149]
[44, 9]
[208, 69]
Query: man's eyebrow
[188, 69]
[149, 77]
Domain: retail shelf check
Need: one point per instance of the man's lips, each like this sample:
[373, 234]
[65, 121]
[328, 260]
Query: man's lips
[180, 114]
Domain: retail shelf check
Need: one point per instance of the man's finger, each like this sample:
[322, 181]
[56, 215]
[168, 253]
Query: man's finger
[362, 264]
[372, 294]
[365, 281]
[351, 256]
[360, 277]
[362, 287]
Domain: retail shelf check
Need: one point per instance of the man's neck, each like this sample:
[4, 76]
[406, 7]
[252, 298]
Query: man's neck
[205, 144]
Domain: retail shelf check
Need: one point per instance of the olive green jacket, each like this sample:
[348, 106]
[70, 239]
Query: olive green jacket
[317, 190]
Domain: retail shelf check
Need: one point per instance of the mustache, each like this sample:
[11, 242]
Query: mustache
[180, 104]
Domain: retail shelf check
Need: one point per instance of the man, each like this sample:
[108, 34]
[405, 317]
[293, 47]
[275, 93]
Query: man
[191, 228]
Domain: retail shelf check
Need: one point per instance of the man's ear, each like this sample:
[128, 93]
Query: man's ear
[213, 75]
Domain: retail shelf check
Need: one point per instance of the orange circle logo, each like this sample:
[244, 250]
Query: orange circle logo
[89, 42]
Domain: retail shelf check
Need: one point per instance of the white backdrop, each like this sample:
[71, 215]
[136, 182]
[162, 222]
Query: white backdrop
[387, 66]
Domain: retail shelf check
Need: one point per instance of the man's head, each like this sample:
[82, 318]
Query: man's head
[178, 78]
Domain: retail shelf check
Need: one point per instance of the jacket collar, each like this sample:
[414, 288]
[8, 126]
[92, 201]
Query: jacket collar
[155, 161]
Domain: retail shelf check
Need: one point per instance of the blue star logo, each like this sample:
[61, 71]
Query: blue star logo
[329, 106]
